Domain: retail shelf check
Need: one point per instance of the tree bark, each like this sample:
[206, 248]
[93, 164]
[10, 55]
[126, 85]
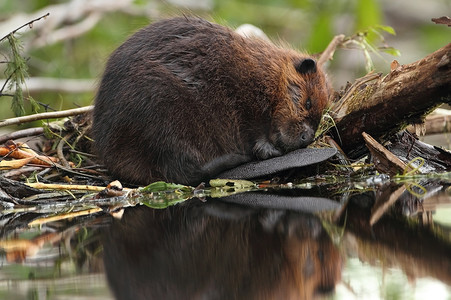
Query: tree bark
[381, 106]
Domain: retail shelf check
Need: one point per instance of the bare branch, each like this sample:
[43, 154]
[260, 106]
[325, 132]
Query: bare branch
[21, 133]
[328, 53]
[39, 84]
[75, 13]
[29, 24]
[70, 31]
[46, 115]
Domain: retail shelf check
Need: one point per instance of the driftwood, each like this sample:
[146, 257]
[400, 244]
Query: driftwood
[381, 106]
[384, 161]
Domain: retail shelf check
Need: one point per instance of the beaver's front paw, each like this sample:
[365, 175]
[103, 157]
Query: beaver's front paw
[264, 149]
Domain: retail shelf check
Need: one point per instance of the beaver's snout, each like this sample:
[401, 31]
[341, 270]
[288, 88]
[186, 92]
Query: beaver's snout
[307, 136]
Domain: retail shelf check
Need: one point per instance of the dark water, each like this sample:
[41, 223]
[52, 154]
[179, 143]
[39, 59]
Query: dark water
[360, 241]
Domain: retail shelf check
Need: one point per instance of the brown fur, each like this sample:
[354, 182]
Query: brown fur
[184, 99]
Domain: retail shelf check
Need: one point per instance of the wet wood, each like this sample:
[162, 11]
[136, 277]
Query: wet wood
[384, 161]
[382, 105]
[18, 189]
[407, 147]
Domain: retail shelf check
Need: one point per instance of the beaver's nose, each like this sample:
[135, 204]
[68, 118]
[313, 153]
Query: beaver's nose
[307, 136]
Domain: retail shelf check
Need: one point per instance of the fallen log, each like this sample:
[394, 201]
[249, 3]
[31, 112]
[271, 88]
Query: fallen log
[437, 122]
[383, 105]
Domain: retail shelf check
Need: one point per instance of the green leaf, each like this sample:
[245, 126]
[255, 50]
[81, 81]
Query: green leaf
[161, 186]
[16, 71]
[386, 28]
[34, 104]
[369, 14]
[17, 105]
[391, 51]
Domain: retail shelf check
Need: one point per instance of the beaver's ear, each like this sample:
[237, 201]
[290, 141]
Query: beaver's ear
[305, 66]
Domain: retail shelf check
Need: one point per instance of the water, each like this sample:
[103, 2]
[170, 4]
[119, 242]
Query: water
[372, 239]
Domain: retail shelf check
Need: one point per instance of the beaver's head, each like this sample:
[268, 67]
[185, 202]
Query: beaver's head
[297, 114]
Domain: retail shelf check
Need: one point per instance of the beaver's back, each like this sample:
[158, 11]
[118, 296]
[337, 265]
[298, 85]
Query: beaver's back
[182, 93]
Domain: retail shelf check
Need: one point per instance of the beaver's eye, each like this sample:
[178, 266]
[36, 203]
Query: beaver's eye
[295, 93]
[308, 104]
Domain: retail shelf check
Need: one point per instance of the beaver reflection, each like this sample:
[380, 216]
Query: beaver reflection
[215, 250]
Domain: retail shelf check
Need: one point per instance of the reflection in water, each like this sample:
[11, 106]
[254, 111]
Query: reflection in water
[393, 240]
[257, 246]
[216, 250]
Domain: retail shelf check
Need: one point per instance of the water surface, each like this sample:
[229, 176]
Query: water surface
[372, 239]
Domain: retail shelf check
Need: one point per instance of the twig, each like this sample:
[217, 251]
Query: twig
[70, 31]
[76, 187]
[328, 53]
[83, 153]
[71, 171]
[30, 24]
[47, 115]
[6, 82]
[19, 172]
[71, 14]
[21, 133]
[73, 187]
[59, 150]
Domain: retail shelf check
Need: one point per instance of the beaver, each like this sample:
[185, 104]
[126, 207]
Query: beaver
[184, 99]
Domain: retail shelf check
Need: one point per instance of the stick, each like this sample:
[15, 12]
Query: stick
[75, 187]
[330, 50]
[21, 133]
[47, 115]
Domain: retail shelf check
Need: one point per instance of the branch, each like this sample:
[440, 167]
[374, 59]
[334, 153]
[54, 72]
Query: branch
[381, 106]
[39, 84]
[69, 31]
[46, 115]
[328, 53]
[29, 24]
[78, 15]
[21, 133]
[437, 122]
